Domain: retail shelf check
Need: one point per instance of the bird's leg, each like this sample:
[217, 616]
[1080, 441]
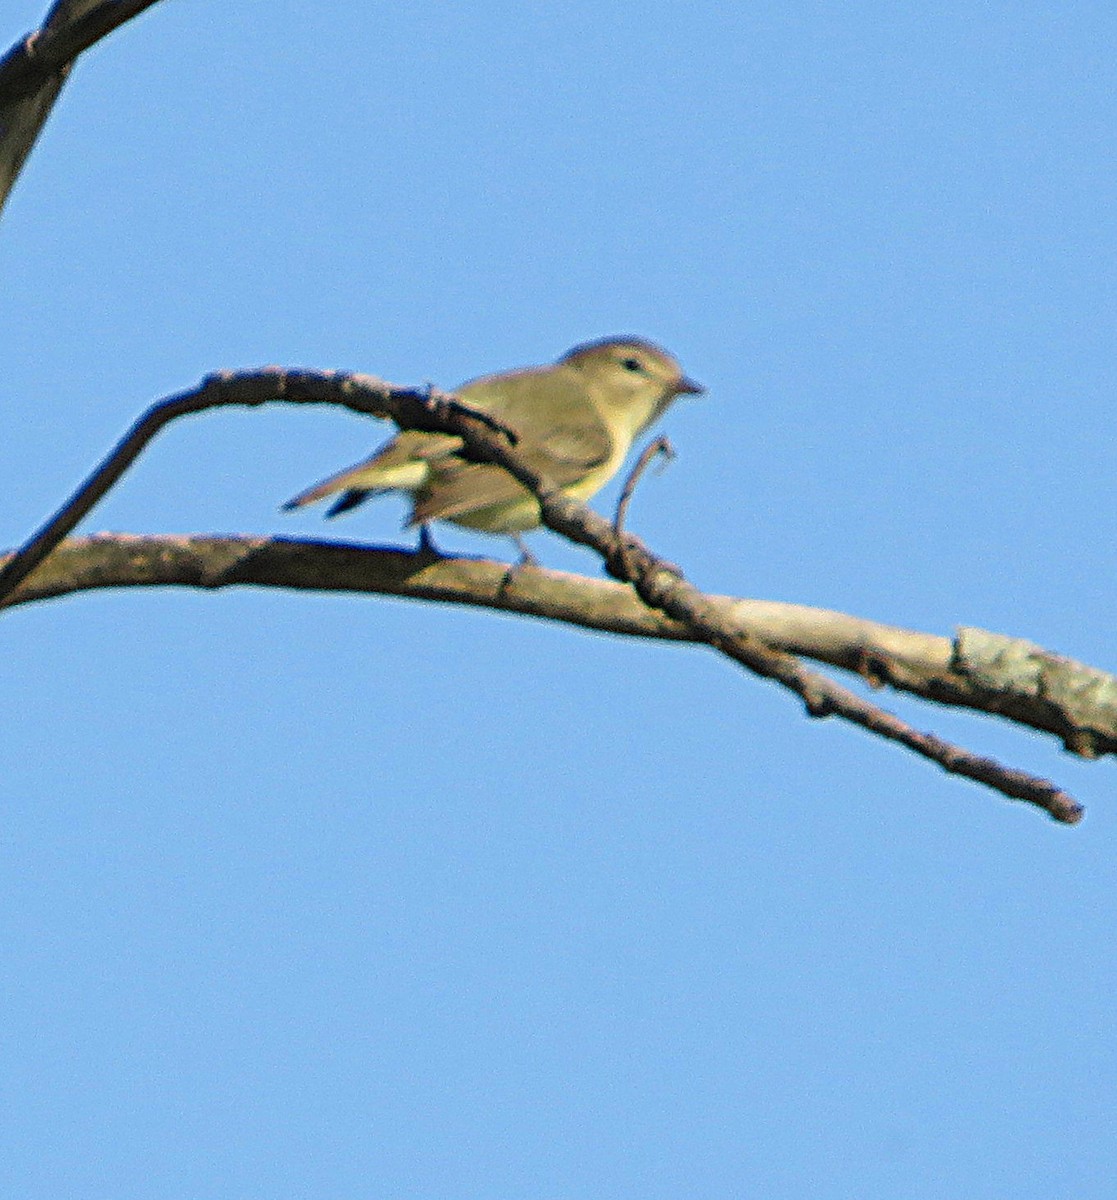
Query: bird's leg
[427, 548]
[527, 559]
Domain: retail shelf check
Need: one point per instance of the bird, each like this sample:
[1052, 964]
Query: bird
[575, 421]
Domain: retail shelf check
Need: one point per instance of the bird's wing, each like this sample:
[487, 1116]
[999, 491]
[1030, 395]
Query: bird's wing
[560, 430]
[564, 441]
[466, 488]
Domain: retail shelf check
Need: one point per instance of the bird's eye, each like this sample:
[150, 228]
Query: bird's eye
[632, 364]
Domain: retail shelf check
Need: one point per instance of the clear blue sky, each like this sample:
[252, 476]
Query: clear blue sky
[333, 897]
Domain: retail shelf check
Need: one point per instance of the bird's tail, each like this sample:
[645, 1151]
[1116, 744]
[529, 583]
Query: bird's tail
[357, 483]
[320, 491]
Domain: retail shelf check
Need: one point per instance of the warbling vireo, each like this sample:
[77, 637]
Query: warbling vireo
[575, 422]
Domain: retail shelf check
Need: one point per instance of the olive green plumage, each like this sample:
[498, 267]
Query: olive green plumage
[575, 421]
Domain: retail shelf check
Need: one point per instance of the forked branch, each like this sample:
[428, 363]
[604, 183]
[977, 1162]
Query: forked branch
[660, 586]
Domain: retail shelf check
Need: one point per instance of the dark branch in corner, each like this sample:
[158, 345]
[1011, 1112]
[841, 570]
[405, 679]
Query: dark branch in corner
[659, 584]
[69, 30]
[33, 71]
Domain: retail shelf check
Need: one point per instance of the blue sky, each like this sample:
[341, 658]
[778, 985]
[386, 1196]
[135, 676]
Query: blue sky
[327, 896]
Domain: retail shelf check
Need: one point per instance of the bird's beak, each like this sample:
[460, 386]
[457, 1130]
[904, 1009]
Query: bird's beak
[688, 387]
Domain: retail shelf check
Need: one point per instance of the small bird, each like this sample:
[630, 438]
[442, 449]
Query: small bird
[575, 422]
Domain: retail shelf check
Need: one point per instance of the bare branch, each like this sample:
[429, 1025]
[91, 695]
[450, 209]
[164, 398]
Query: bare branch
[976, 670]
[69, 29]
[361, 393]
[658, 584]
[33, 71]
[662, 586]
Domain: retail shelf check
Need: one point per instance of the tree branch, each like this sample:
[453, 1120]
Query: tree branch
[33, 71]
[985, 672]
[660, 586]
[409, 408]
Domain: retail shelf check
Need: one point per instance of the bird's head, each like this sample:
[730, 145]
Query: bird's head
[632, 376]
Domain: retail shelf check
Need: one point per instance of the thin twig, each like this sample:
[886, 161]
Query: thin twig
[661, 445]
